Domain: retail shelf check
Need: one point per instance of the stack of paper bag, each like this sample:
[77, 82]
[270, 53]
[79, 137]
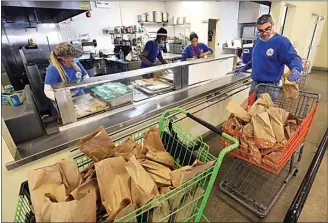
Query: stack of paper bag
[97, 146]
[158, 172]
[263, 129]
[185, 173]
[143, 187]
[155, 149]
[59, 180]
[80, 209]
[278, 117]
[129, 148]
[238, 111]
[114, 185]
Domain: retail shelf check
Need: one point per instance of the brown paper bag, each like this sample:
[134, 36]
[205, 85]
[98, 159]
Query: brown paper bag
[70, 174]
[185, 173]
[152, 140]
[248, 130]
[127, 207]
[114, 184]
[264, 99]
[276, 117]
[143, 187]
[58, 179]
[256, 109]
[161, 157]
[88, 173]
[243, 148]
[129, 148]
[159, 173]
[90, 185]
[97, 146]
[263, 129]
[232, 124]
[238, 111]
[161, 212]
[81, 210]
[272, 159]
[256, 155]
[189, 206]
[290, 88]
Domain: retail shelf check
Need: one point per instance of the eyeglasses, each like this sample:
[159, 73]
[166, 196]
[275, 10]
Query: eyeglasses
[268, 29]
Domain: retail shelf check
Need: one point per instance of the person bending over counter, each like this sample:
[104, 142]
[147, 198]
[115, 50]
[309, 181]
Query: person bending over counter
[152, 51]
[64, 67]
[195, 49]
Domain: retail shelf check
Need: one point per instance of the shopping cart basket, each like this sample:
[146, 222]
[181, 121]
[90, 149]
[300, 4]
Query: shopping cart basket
[304, 73]
[186, 202]
[257, 186]
[303, 108]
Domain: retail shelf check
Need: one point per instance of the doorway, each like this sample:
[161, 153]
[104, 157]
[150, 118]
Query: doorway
[213, 35]
[313, 38]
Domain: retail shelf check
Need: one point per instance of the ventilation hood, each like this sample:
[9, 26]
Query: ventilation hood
[42, 11]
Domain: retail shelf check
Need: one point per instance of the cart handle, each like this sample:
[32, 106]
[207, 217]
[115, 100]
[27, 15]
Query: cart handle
[203, 123]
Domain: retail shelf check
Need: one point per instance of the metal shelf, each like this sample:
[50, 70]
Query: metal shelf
[152, 23]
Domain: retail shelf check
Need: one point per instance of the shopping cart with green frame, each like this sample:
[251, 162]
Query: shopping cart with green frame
[185, 203]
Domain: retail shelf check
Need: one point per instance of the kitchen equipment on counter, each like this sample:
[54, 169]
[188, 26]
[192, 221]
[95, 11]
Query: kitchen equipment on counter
[249, 32]
[117, 29]
[174, 20]
[123, 29]
[142, 18]
[180, 20]
[186, 20]
[150, 17]
[157, 16]
[165, 17]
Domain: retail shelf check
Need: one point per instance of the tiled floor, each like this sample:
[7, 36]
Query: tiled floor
[222, 208]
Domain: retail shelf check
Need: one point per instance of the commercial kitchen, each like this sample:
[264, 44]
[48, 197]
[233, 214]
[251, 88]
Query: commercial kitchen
[126, 95]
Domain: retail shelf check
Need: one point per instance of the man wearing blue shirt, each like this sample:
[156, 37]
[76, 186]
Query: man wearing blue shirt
[271, 52]
[152, 51]
[195, 49]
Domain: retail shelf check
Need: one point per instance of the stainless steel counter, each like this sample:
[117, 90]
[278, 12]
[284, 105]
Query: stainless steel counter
[118, 119]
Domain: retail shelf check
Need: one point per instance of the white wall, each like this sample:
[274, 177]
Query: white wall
[120, 13]
[200, 11]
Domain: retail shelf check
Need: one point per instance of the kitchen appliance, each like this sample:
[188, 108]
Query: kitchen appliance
[150, 17]
[249, 32]
[180, 20]
[186, 20]
[165, 17]
[125, 48]
[174, 20]
[157, 16]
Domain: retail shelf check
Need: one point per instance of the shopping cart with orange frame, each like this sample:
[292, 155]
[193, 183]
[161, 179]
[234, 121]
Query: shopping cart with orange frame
[304, 73]
[258, 186]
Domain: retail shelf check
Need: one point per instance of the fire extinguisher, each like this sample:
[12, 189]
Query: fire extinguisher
[88, 14]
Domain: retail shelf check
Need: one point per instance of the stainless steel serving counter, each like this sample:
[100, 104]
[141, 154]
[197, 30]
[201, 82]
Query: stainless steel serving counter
[120, 118]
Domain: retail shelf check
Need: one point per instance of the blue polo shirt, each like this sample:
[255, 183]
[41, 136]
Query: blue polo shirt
[153, 50]
[53, 76]
[188, 51]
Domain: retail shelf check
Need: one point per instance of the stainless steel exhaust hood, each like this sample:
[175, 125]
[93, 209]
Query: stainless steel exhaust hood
[42, 11]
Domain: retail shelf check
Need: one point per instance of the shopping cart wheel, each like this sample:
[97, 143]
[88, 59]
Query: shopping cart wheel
[295, 172]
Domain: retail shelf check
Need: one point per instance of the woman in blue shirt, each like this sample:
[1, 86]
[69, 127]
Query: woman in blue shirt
[64, 67]
[195, 49]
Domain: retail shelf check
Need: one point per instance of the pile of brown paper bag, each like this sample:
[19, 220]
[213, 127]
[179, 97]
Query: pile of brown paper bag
[262, 130]
[120, 180]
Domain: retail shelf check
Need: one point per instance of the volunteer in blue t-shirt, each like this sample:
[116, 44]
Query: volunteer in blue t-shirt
[152, 51]
[271, 52]
[64, 67]
[195, 49]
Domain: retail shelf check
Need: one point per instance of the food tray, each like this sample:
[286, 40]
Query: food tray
[111, 89]
[117, 101]
[86, 105]
[148, 90]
